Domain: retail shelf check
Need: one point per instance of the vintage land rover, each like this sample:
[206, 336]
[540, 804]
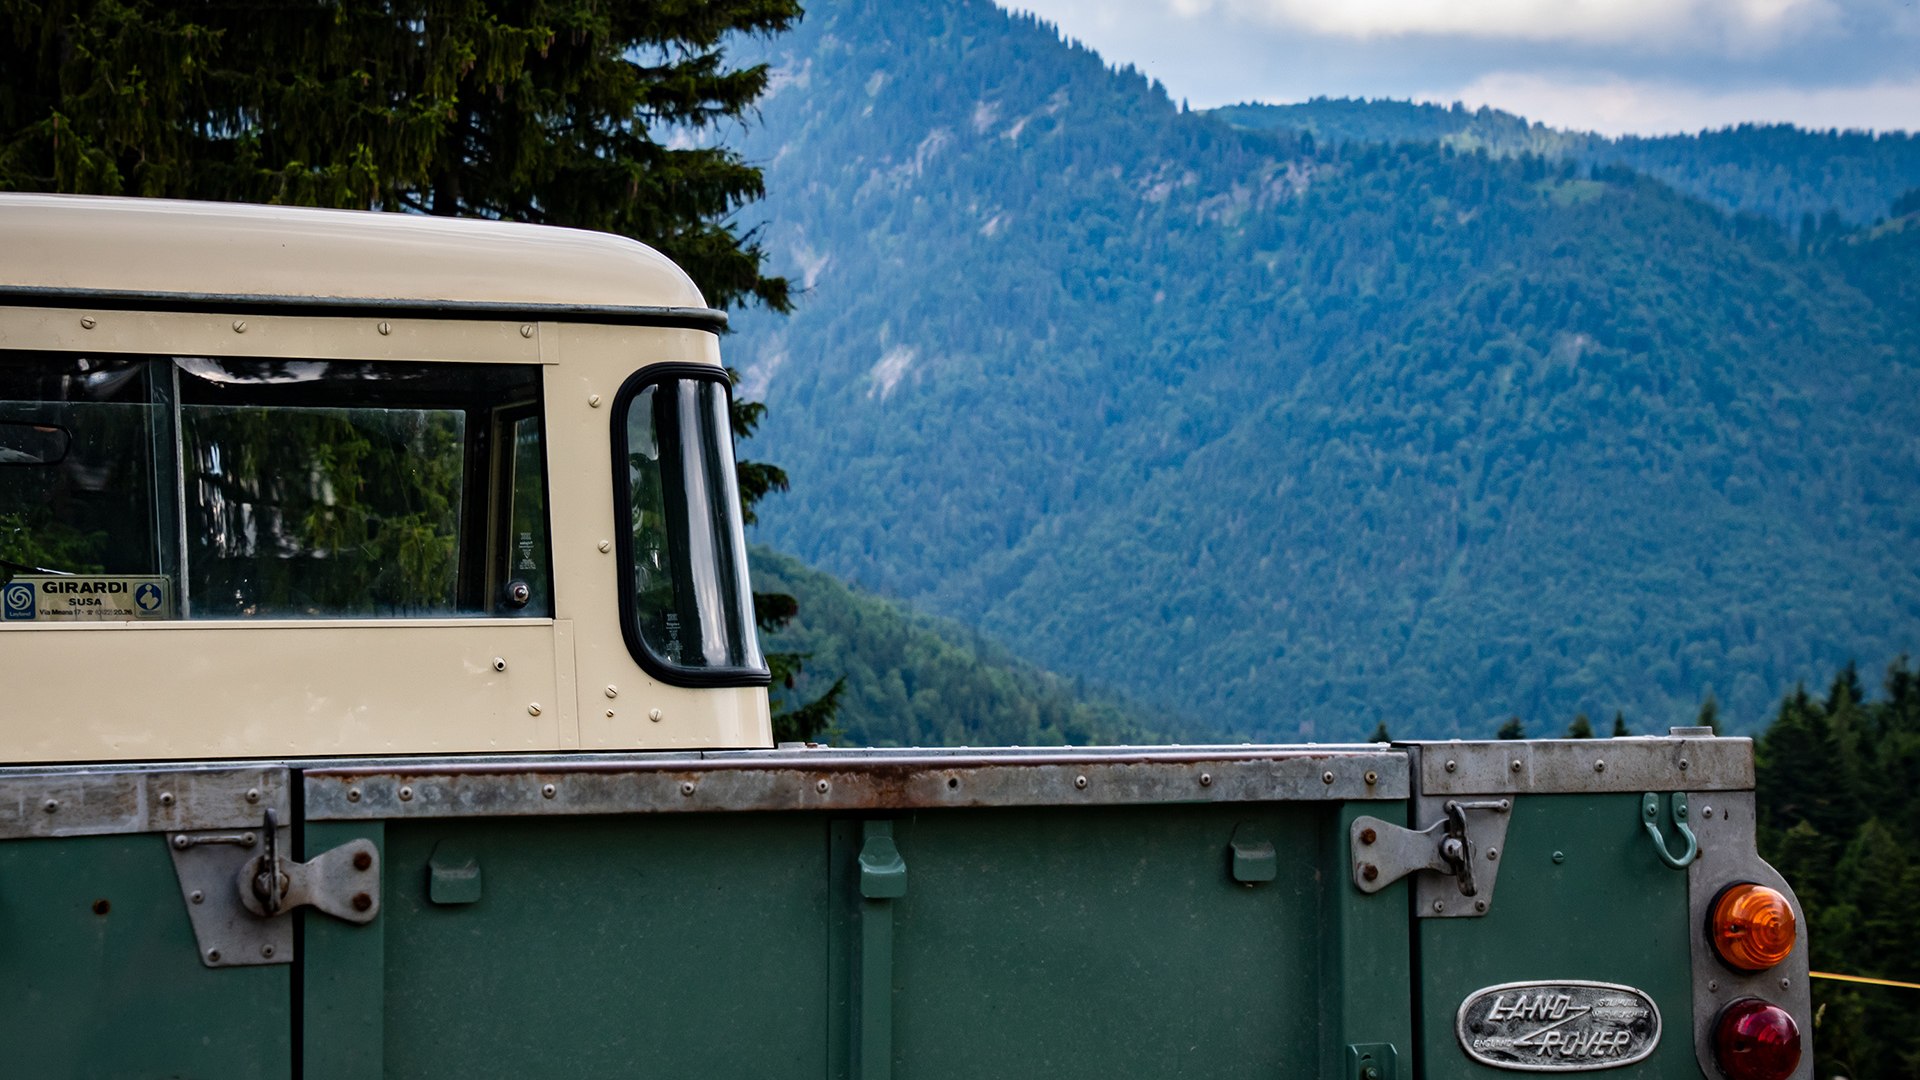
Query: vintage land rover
[379, 695]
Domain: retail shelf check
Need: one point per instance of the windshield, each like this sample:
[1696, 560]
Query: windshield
[139, 487]
[687, 607]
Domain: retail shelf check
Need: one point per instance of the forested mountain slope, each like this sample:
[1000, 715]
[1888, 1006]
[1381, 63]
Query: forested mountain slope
[1776, 170]
[915, 680]
[1295, 439]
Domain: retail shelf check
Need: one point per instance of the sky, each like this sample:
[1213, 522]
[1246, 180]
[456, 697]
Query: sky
[1612, 66]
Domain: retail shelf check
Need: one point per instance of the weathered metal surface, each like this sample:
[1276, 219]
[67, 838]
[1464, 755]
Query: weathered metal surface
[98, 976]
[343, 973]
[1572, 766]
[105, 800]
[1724, 824]
[1582, 898]
[211, 868]
[849, 780]
[1366, 949]
[1555, 1026]
[1460, 850]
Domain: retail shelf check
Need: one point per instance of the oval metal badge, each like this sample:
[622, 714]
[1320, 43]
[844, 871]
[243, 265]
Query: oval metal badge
[1558, 1026]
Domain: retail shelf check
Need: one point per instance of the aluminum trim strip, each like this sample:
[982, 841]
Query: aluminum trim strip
[97, 801]
[1582, 766]
[848, 780]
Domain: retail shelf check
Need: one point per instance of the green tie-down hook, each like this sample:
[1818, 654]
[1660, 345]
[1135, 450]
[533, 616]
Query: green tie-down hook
[1650, 817]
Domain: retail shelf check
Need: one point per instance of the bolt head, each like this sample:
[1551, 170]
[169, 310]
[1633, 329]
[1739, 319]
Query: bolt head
[1368, 836]
[594, 401]
[87, 322]
[239, 326]
[526, 331]
[612, 690]
[606, 546]
[1370, 872]
[386, 328]
[656, 715]
[533, 709]
[1559, 857]
[363, 860]
[362, 901]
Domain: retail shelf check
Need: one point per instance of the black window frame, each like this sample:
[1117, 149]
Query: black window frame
[650, 662]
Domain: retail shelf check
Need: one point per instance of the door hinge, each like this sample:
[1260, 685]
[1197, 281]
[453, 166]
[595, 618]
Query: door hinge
[235, 903]
[1463, 845]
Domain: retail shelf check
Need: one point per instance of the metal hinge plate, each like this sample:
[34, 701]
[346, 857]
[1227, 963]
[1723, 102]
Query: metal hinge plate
[1460, 854]
[237, 887]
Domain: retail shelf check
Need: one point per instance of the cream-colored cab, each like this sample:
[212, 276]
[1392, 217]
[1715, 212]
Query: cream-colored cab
[161, 364]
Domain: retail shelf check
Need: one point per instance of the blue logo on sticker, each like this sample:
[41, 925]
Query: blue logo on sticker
[149, 598]
[16, 602]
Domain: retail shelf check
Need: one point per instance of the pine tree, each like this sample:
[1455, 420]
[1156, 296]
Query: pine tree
[1512, 729]
[1709, 714]
[1620, 730]
[1581, 728]
[1380, 734]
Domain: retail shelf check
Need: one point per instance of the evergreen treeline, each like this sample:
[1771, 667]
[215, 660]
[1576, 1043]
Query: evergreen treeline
[1797, 177]
[1839, 798]
[1297, 436]
[908, 679]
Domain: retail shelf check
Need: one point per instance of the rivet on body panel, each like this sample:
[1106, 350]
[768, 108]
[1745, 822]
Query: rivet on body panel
[253, 794]
[166, 798]
[1080, 782]
[499, 663]
[548, 791]
[686, 787]
[822, 787]
[406, 794]
[50, 806]
[1372, 777]
[1453, 766]
[1599, 766]
[1206, 779]
[1326, 778]
[1516, 765]
[353, 794]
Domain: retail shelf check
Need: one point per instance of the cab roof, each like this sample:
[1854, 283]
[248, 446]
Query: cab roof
[157, 248]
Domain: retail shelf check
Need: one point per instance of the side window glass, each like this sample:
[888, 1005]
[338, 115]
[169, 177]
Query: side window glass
[236, 488]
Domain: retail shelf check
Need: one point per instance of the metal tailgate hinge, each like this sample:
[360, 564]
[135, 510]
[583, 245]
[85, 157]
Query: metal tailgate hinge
[235, 905]
[1464, 845]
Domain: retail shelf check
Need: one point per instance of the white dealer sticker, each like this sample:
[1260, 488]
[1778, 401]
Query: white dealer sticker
[90, 597]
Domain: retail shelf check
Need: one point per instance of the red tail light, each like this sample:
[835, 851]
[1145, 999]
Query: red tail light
[1756, 1041]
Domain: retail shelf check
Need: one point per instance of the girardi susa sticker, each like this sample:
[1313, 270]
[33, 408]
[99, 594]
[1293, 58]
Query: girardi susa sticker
[1558, 1026]
[87, 597]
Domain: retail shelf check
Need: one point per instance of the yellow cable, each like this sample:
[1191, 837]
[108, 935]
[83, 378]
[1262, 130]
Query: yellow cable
[1864, 979]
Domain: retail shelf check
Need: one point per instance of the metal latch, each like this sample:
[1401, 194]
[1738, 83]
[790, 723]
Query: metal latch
[1463, 845]
[235, 905]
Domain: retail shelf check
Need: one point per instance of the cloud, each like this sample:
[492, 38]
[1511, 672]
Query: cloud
[1667, 25]
[1617, 106]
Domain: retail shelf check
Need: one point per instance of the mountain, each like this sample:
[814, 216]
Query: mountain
[1291, 436]
[916, 680]
[1776, 170]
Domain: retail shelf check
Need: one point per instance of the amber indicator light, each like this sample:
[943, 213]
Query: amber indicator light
[1752, 927]
[1756, 1041]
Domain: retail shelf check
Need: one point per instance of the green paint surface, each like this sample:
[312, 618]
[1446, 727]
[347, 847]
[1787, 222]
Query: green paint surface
[123, 994]
[1611, 912]
[668, 946]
